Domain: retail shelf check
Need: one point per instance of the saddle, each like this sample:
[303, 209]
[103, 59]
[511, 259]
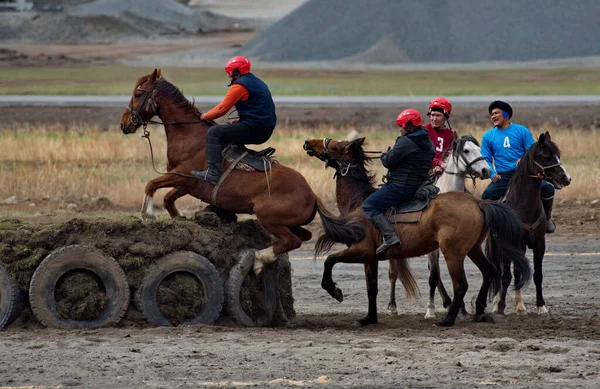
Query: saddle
[411, 212]
[242, 158]
[249, 160]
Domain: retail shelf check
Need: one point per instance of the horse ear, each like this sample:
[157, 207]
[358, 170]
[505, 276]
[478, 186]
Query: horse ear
[359, 141]
[155, 74]
[159, 73]
[548, 136]
[542, 139]
[455, 141]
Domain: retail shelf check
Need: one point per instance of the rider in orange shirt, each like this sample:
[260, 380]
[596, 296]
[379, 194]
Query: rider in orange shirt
[256, 110]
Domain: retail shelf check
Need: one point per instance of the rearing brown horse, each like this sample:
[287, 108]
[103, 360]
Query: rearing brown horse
[282, 206]
[455, 222]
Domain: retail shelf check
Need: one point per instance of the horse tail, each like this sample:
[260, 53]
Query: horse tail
[336, 230]
[405, 274]
[504, 239]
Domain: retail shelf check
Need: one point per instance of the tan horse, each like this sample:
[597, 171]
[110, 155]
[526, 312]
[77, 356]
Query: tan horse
[282, 205]
[456, 223]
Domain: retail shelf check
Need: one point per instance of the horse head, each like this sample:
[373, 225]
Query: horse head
[467, 159]
[339, 154]
[544, 162]
[142, 106]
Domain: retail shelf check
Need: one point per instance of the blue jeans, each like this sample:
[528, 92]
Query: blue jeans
[496, 190]
[386, 197]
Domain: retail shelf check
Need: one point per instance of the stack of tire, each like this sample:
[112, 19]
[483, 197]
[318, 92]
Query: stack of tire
[217, 295]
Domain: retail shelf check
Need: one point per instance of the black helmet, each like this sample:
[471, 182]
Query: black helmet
[502, 105]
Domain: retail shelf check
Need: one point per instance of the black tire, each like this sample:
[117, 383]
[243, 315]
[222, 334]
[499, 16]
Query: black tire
[11, 299]
[233, 288]
[77, 257]
[187, 262]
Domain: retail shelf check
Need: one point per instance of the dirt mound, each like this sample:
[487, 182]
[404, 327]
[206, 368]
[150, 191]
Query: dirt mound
[112, 21]
[136, 246]
[449, 31]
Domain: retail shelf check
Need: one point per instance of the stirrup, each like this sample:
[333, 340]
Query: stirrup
[205, 175]
[385, 246]
[550, 226]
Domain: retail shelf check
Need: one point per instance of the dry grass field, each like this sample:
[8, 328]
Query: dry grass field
[41, 163]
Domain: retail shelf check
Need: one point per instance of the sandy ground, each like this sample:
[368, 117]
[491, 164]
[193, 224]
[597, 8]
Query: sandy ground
[325, 348]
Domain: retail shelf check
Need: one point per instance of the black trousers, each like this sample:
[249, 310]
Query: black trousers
[239, 133]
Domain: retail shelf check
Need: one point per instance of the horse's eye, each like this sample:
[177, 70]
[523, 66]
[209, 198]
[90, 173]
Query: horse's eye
[466, 151]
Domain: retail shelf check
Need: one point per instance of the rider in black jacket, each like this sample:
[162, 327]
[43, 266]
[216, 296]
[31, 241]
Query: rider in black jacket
[408, 164]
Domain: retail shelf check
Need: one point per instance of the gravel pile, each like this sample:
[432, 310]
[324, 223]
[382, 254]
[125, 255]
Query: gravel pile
[448, 31]
[111, 20]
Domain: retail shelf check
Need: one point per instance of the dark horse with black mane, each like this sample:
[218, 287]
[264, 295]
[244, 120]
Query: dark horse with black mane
[540, 162]
[455, 222]
[282, 200]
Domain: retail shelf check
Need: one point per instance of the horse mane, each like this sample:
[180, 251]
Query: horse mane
[524, 169]
[468, 138]
[362, 175]
[169, 91]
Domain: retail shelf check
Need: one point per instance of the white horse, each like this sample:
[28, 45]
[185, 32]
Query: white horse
[464, 161]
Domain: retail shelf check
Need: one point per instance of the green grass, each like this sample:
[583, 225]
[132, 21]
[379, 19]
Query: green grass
[119, 80]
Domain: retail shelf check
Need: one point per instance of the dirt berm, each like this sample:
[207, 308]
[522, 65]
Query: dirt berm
[136, 246]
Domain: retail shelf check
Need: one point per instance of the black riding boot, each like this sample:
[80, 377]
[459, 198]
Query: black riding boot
[550, 226]
[387, 232]
[213, 157]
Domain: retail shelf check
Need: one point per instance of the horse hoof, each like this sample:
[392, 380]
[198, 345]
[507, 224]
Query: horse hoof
[521, 312]
[485, 318]
[445, 323]
[393, 310]
[257, 267]
[542, 310]
[429, 315]
[338, 295]
[148, 217]
[366, 321]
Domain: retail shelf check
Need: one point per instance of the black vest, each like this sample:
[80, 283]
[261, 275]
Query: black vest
[258, 110]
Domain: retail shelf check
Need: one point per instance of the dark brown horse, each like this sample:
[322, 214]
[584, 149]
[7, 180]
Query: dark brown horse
[541, 161]
[282, 205]
[457, 223]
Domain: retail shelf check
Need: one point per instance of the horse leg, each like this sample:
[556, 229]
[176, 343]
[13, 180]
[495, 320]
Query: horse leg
[286, 241]
[164, 181]
[487, 272]
[538, 257]
[393, 276]
[434, 279]
[348, 255]
[455, 262]
[302, 233]
[169, 201]
[371, 273]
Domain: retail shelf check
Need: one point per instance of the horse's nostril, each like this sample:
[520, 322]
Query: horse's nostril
[122, 126]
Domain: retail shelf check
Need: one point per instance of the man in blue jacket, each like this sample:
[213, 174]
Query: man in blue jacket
[502, 147]
[408, 164]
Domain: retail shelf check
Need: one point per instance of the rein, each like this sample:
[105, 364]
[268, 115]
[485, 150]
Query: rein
[542, 175]
[147, 136]
[470, 173]
[136, 119]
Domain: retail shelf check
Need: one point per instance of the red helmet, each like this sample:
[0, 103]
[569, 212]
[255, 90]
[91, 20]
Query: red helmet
[242, 64]
[440, 103]
[409, 115]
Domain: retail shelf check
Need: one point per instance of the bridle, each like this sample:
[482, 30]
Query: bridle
[542, 175]
[470, 172]
[135, 117]
[147, 100]
[343, 165]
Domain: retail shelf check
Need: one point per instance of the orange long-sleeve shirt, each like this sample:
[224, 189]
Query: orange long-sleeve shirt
[235, 93]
